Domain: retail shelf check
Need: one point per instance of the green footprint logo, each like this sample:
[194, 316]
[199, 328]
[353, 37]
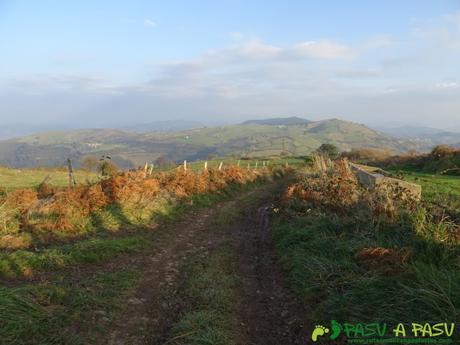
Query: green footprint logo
[318, 332]
[336, 329]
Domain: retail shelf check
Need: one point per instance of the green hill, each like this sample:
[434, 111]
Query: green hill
[128, 149]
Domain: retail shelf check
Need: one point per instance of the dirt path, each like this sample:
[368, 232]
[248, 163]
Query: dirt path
[269, 313]
[272, 313]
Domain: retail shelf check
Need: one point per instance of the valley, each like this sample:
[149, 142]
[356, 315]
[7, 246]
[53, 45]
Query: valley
[262, 138]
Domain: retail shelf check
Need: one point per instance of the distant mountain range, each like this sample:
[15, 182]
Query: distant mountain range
[426, 136]
[253, 138]
[165, 126]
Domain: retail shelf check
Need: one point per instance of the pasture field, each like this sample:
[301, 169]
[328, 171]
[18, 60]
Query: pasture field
[30, 178]
[441, 191]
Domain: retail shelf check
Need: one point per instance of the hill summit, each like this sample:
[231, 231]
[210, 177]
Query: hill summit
[279, 121]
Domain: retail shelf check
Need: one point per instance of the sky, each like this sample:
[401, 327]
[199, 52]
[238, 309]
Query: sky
[109, 63]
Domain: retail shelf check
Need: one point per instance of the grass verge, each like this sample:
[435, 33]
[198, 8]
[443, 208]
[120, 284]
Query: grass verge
[320, 252]
[353, 260]
[62, 312]
[210, 292]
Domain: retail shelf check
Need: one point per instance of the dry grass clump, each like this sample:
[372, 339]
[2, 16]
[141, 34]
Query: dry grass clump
[337, 189]
[181, 183]
[45, 190]
[385, 260]
[14, 211]
[66, 208]
[184, 183]
[388, 200]
[21, 200]
[20, 241]
[129, 187]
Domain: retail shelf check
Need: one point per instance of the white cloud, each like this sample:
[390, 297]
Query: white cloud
[324, 50]
[258, 50]
[150, 23]
[448, 85]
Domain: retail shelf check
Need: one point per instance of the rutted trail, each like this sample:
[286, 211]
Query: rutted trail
[266, 311]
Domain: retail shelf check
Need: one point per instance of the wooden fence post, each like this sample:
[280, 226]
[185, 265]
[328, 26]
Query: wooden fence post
[185, 165]
[151, 169]
[71, 177]
[238, 162]
[206, 165]
[220, 165]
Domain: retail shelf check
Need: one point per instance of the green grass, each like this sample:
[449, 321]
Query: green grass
[319, 252]
[62, 311]
[30, 178]
[434, 185]
[25, 262]
[440, 190]
[210, 292]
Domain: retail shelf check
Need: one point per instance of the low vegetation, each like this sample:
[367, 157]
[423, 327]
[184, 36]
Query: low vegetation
[41, 313]
[442, 159]
[97, 220]
[359, 255]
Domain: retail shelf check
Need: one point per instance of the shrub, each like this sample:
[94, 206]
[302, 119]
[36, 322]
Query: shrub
[328, 150]
[365, 155]
[107, 168]
[441, 151]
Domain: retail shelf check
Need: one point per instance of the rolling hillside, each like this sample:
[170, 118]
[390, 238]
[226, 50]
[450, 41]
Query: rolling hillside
[293, 136]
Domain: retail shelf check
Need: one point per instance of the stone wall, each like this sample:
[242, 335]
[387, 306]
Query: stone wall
[374, 180]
